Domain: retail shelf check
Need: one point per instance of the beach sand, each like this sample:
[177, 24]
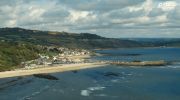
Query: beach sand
[51, 69]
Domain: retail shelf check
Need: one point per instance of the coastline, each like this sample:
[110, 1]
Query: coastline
[54, 69]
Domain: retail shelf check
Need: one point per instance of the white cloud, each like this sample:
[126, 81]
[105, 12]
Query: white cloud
[36, 12]
[80, 17]
[147, 6]
[97, 16]
[161, 18]
[76, 15]
[11, 23]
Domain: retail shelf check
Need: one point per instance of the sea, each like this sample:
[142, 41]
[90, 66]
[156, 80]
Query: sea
[108, 82]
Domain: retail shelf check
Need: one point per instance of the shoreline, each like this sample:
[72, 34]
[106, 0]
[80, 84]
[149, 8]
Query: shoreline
[54, 69]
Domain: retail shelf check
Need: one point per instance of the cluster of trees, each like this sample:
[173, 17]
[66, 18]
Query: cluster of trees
[12, 54]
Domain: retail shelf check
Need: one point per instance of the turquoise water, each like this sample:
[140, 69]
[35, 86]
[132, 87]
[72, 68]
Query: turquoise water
[104, 83]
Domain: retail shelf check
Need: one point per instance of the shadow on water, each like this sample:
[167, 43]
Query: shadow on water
[23, 80]
[9, 82]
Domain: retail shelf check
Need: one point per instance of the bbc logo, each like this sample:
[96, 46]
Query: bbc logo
[167, 4]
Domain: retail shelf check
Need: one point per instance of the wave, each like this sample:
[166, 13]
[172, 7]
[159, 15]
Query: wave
[85, 92]
[35, 93]
[90, 90]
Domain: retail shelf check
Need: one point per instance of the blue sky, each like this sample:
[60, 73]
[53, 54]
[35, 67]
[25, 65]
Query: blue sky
[109, 18]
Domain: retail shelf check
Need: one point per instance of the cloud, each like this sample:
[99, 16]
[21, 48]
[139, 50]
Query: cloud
[117, 18]
[80, 16]
[98, 5]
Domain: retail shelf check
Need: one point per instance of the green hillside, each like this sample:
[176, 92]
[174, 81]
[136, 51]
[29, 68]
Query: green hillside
[73, 40]
[18, 45]
[12, 54]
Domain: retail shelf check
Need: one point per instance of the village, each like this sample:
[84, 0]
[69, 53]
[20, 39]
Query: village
[61, 56]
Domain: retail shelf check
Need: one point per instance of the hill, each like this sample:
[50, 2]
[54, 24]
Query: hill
[18, 45]
[64, 39]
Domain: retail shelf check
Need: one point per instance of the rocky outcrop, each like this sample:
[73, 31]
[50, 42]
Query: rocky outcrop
[46, 76]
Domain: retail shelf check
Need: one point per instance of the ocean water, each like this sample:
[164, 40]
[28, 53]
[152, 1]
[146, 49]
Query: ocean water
[107, 82]
[167, 54]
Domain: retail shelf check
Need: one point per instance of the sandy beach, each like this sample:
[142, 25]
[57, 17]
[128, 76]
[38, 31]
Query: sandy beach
[52, 69]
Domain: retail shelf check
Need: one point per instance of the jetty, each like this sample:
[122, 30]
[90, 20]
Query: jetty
[140, 63]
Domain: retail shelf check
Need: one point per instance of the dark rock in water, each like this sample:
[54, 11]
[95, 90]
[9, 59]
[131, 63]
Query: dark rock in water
[131, 54]
[136, 61]
[74, 71]
[46, 76]
[111, 74]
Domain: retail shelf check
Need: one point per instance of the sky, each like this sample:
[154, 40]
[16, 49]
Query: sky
[108, 18]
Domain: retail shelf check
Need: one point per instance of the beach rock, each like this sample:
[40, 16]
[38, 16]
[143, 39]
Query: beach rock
[75, 71]
[46, 76]
[111, 74]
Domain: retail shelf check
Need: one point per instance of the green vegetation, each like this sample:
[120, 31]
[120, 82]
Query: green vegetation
[12, 54]
[64, 39]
